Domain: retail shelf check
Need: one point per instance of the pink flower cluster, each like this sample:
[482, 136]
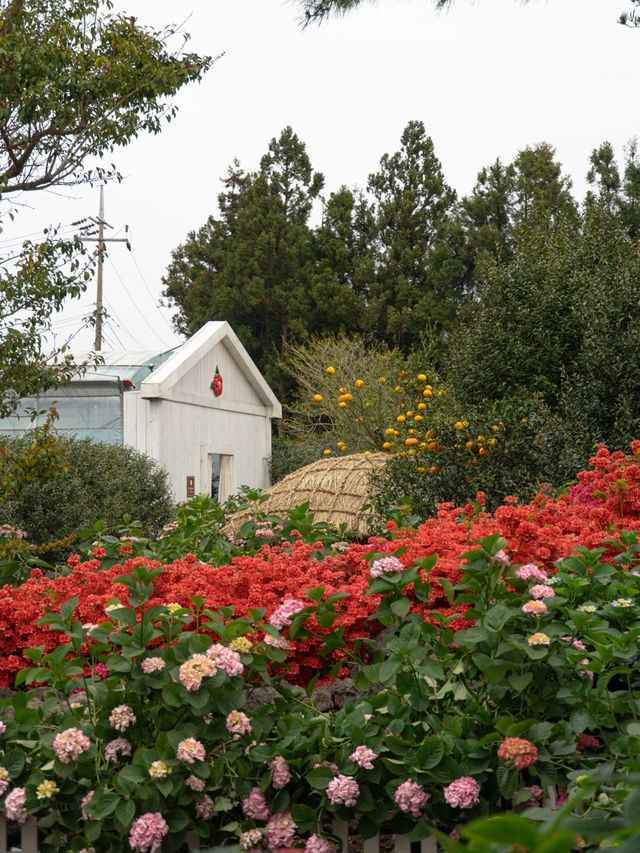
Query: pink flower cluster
[281, 772]
[411, 798]
[225, 659]
[70, 744]
[502, 557]
[282, 616]
[194, 669]
[190, 750]
[194, 783]
[535, 607]
[343, 791]
[463, 793]
[281, 830]
[530, 572]
[122, 717]
[386, 566]
[147, 832]
[542, 591]
[238, 724]
[205, 808]
[363, 757]
[15, 805]
[316, 844]
[520, 752]
[254, 806]
[84, 803]
[116, 749]
[150, 665]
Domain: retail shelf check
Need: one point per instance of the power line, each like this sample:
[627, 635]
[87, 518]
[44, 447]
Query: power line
[149, 291]
[137, 307]
[123, 327]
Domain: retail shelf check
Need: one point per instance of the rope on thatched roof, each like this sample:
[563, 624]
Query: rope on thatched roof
[336, 489]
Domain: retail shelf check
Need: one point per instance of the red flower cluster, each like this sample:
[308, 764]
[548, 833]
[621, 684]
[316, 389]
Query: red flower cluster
[541, 531]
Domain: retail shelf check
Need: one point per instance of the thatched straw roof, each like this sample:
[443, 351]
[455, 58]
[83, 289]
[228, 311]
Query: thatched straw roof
[336, 489]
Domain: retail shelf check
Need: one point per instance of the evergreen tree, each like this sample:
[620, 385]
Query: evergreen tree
[255, 264]
[412, 206]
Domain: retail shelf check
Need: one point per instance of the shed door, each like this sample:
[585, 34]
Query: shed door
[221, 468]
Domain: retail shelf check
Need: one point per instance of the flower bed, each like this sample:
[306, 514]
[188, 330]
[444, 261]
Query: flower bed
[544, 530]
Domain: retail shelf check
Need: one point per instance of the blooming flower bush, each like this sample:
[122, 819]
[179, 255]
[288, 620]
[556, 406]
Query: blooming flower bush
[453, 722]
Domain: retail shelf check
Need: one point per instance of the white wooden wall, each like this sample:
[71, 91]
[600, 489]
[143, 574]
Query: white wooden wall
[181, 429]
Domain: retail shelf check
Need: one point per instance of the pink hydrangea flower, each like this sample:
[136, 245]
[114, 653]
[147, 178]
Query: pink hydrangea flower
[84, 803]
[535, 607]
[225, 659]
[15, 805]
[577, 644]
[281, 830]
[463, 793]
[276, 642]
[520, 752]
[254, 806]
[316, 844]
[251, 839]
[122, 717]
[282, 616]
[116, 749]
[411, 798]
[147, 832]
[502, 557]
[536, 797]
[363, 757]
[343, 791]
[542, 591]
[70, 744]
[150, 665]
[4, 781]
[386, 566]
[190, 750]
[530, 572]
[238, 724]
[281, 772]
[205, 808]
[3, 727]
[193, 670]
[194, 783]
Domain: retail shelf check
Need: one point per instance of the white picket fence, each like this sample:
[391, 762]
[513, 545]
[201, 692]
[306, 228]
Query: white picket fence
[29, 840]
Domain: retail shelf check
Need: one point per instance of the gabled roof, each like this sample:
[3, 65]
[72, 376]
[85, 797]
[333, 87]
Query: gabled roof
[161, 381]
[117, 365]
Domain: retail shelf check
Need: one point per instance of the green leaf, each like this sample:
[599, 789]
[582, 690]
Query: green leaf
[103, 805]
[126, 813]
[471, 636]
[401, 607]
[319, 777]
[505, 829]
[520, 682]
[68, 608]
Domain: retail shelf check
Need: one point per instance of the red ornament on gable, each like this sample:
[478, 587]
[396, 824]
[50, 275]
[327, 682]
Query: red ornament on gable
[216, 385]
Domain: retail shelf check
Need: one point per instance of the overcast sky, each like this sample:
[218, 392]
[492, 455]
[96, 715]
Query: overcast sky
[487, 78]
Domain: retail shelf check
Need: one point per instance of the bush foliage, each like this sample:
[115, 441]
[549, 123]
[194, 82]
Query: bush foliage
[100, 481]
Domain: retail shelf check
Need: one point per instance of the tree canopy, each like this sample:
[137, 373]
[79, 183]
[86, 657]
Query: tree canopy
[76, 81]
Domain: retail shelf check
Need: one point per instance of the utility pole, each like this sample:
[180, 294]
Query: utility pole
[101, 249]
[101, 240]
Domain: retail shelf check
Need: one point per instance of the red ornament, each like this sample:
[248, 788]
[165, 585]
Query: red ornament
[216, 385]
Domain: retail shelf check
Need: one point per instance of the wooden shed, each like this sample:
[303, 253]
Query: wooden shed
[210, 439]
[208, 443]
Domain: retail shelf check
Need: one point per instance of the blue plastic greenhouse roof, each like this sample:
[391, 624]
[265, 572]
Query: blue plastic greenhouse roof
[135, 365]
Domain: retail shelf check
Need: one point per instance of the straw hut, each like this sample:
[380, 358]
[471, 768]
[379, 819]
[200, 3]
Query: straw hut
[336, 489]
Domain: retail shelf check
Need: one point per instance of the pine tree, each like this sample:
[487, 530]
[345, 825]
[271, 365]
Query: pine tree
[412, 206]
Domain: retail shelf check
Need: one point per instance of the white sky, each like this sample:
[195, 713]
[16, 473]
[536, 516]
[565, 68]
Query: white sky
[487, 78]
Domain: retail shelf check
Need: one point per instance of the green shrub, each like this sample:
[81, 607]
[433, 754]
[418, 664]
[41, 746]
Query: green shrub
[101, 481]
